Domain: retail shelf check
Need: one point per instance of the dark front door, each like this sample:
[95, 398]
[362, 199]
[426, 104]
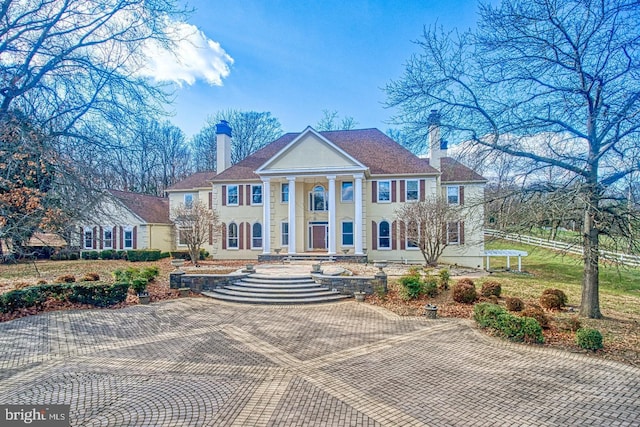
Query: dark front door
[319, 237]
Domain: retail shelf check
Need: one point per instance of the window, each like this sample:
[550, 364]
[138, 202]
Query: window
[107, 238]
[412, 190]
[384, 235]
[182, 236]
[188, 200]
[284, 233]
[256, 235]
[284, 192]
[256, 194]
[453, 233]
[128, 238]
[232, 236]
[346, 194]
[232, 195]
[413, 235]
[453, 195]
[384, 191]
[88, 238]
[318, 199]
[347, 233]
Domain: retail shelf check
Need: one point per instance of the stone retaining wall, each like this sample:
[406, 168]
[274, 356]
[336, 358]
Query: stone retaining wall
[203, 282]
[350, 284]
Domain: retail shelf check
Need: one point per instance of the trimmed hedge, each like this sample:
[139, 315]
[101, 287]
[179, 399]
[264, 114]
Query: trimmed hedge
[521, 329]
[97, 294]
[143, 255]
[90, 255]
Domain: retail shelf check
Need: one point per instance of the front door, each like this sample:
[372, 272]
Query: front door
[318, 236]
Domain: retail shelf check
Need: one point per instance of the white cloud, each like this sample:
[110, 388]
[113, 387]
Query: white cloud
[192, 56]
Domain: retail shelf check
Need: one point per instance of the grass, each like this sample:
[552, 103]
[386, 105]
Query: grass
[619, 286]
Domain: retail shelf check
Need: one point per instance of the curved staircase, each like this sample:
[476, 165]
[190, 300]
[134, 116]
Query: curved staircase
[264, 289]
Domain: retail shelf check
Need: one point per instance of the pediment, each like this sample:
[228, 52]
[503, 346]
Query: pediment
[310, 152]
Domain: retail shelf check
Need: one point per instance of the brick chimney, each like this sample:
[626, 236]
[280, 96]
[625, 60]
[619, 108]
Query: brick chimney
[437, 146]
[223, 146]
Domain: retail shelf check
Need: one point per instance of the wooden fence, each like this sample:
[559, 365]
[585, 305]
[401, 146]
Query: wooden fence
[616, 257]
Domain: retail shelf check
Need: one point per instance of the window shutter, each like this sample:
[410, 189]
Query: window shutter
[210, 233]
[101, 234]
[210, 200]
[224, 195]
[374, 235]
[445, 238]
[249, 198]
[422, 190]
[224, 236]
[402, 190]
[248, 235]
[374, 191]
[135, 237]
[241, 235]
[113, 238]
[403, 235]
[95, 233]
[462, 232]
[462, 194]
[240, 196]
[393, 191]
[394, 235]
[121, 238]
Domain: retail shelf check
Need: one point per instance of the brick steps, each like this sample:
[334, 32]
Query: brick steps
[262, 289]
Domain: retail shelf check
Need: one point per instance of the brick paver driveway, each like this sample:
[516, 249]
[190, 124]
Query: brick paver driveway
[197, 362]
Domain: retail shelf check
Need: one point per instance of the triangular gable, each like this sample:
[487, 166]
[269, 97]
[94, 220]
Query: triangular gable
[310, 152]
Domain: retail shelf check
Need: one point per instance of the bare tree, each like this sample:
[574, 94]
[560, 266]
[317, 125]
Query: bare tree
[203, 147]
[563, 67]
[73, 68]
[251, 131]
[429, 225]
[195, 224]
[329, 121]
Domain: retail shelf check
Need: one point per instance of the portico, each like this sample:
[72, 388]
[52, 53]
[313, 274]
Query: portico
[312, 204]
[313, 213]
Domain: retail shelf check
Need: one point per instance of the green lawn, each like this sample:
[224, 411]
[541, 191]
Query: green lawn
[619, 286]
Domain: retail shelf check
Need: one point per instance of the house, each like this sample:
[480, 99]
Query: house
[123, 220]
[195, 188]
[333, 192]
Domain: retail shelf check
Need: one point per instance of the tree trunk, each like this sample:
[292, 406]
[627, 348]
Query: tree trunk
[590, 303]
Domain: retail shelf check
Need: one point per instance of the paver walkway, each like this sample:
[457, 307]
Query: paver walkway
[199, 362]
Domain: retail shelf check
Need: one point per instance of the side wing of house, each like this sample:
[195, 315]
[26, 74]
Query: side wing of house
[110, 225]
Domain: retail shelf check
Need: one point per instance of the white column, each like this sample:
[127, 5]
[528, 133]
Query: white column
[292, 214]
[332, 214]
[266, 215]
[357, 226]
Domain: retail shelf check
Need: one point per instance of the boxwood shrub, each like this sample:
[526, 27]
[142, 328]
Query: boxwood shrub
[589, 339]
[515, 328]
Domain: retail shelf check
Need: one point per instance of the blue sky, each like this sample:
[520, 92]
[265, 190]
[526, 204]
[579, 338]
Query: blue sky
[298, 58]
